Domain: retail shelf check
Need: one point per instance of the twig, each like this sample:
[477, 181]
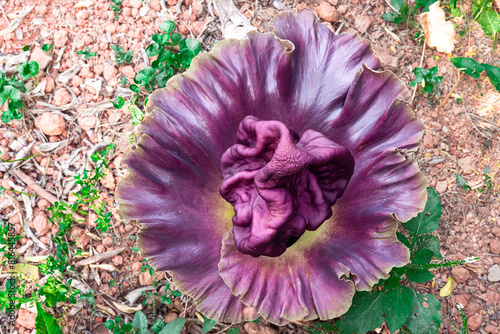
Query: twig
[389, 4]
[451, 90]
[99, 257]
[19, 210]
[5, 15]
[40, 191]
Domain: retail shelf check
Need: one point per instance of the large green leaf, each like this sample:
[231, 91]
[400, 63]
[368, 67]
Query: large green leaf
[418, 275]
[429, 242]
[428, 220]
[208, 324]
[174, 327]
[140, 320]
[493, 73]
[397, 306]
[489, 21]
[365, 314]
[468, 66]
[46, 323]
[425, 316]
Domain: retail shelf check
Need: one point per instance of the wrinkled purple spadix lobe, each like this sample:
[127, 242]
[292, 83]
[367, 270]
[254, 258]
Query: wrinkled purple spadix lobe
[281, 185]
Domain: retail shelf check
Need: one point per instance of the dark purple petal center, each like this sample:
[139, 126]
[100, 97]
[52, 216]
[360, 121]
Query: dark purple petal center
[281, 185]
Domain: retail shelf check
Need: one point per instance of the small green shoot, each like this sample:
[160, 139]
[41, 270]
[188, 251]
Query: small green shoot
[426, 78]
[461, 181]
[47, 47]
[86, 53]
[167, 59]
[122, 56]
[116, 7]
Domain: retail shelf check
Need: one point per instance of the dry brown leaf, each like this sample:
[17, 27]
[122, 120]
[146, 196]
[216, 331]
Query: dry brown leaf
[127, 309]
[108, 267]
[28, 270]
[83, 3]
[439, 33]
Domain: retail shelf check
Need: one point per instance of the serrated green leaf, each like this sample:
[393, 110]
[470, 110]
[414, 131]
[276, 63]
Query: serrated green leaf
[489, 21]
[140, 320]
[46, 323]
[493, 73]
[365, 314]
[425, 316]
[431, 243]
[397, 305]
[418, 275]
[428, 220]
[174, 327]
[208, 324]
[468, 66]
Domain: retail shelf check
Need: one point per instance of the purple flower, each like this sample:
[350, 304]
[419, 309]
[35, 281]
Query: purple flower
[270, 177]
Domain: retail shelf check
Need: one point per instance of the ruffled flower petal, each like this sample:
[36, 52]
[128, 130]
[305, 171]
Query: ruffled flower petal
[174, 176]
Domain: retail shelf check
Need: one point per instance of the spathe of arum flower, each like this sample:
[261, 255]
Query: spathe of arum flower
[270, 176]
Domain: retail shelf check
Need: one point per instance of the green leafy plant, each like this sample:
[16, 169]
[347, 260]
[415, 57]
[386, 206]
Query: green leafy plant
[461, 181]
[465, 324]
[116, 7]
[401, 13]
[87, 53]
[122, 56]
[162, 68]
[473, 69]
[11, 89]
[117, 326]
[488, 18]
[406, 13]
[426, 78]
[395, 300]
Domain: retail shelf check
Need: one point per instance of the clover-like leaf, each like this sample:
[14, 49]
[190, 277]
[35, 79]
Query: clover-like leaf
[167, 26]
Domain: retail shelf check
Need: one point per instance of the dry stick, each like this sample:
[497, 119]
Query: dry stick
[421, 62]
[99, 257]
[26, 228]
[40, 191]
[451, 91]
